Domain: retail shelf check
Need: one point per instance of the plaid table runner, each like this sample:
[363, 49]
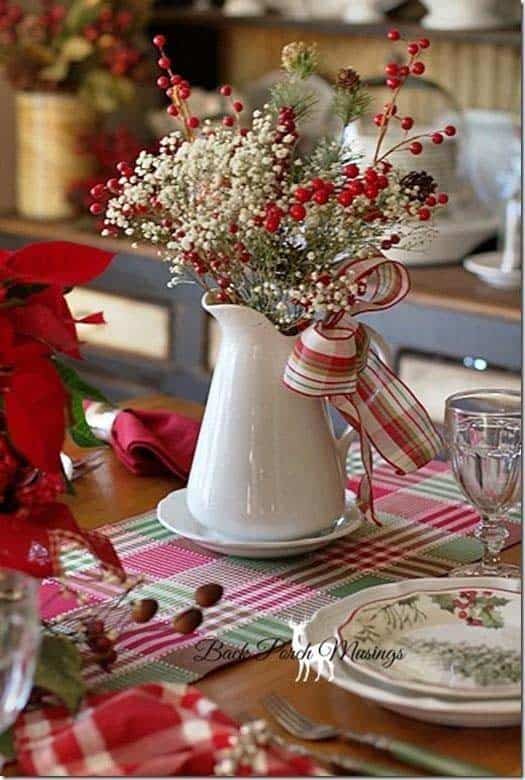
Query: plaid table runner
[424, 534]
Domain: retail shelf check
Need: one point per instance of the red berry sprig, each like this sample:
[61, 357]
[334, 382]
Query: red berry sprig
[177, 89]
[396, 75]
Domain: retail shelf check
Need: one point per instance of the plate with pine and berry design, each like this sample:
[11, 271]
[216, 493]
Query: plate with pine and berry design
[458, 638]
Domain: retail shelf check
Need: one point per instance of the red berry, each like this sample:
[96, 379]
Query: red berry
[437, 138]
[233, 228]
[393, 34]
[443, 198]
[163, 82]
[462, 614]
[379, 119]
[172, 110]
[450, 130]
[345, 198]
[382, 182]
[321, 196]
[123, 167]
[100, 643]
[431, 201]
[412, 48]
[98, 191]
[386, 244]
[184, 92]
[424, 214]
[225, 90]
[393, 82]
[407, 123]
[371, 176]
[371, 191]
[94, 626]
[96, 209]
[297, 212]
[176, 79]
[394, 238]
[164, 63]
[302, 194]
[392, 69]
[228, 121]
[113, 186]
[193, 122]
[272, 224]
[424, 43]
[238, 106]
[356, 187]
[351, 170]
[418, 68]
[415, 147]
[318, 184]
[404, 70]
[159, 41]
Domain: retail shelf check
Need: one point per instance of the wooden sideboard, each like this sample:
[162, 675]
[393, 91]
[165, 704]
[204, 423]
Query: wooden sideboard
[448, 314]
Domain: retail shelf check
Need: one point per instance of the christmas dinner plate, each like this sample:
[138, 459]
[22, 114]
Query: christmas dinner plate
[173, 514]
[458, 637]
[316, 648]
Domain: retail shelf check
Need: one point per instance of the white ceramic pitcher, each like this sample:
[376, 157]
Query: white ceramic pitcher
[268, 466]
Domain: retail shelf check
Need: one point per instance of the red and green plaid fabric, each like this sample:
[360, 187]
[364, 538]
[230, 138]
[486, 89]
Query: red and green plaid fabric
[425, 532]
[333, 360]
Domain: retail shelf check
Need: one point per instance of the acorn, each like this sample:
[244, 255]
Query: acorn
[187, 621]
[142, 611]
[208, 595]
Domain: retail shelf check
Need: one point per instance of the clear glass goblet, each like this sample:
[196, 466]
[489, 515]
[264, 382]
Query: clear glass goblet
[19, 642]
[483, 434]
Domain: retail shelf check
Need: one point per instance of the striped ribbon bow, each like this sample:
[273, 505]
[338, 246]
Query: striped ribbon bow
[334, 360]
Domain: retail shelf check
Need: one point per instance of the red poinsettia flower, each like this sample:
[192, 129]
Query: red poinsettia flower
[31, 542]
[35, 322]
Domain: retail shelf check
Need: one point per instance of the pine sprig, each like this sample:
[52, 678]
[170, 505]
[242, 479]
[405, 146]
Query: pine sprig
[292, 92]
[349, 105]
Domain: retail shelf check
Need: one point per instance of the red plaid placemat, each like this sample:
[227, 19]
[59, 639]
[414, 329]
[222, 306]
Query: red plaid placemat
[424, 533]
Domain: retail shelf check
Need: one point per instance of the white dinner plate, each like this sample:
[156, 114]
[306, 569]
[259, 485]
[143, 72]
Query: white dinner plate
[173, 514]
[316, 638]
[454, 637]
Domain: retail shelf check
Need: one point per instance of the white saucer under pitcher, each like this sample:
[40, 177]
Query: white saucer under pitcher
[173, 514]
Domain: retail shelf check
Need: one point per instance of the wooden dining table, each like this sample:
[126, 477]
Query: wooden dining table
[110, 493]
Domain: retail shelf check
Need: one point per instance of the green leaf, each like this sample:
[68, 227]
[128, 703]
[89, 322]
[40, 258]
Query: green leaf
[7, 747]
[80, 431]
[78, 386]
[59, 670]
[79, 390]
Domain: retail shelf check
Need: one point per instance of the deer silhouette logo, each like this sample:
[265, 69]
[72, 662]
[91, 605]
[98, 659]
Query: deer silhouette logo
[320, 655]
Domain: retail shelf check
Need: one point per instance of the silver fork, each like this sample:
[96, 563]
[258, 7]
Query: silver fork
[302, 727]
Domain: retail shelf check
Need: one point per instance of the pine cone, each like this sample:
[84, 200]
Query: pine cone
[348, 78]
[418, 185]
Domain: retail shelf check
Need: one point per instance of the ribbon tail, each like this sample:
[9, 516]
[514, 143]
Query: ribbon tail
[365, 496]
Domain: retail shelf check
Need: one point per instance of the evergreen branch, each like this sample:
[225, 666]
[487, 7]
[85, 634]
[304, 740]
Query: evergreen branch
[349, 105]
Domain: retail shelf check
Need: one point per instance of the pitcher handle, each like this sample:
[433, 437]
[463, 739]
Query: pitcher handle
[349, 435]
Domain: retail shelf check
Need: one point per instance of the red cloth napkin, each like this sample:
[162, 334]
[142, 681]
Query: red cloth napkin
[150, 443]
[150, 730]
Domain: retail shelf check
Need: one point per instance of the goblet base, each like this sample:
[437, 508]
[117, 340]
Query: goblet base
[508, 570]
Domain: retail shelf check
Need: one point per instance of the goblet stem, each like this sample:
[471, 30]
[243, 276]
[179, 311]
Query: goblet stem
[492, 534]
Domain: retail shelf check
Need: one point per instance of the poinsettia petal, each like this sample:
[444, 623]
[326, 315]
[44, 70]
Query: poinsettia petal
[34, 407]
[62, 263]
[6, 338]
[31, 543]
[97, 318]
[46, 316]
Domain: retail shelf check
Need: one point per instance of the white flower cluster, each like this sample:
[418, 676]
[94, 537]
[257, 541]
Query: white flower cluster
[237, 209]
